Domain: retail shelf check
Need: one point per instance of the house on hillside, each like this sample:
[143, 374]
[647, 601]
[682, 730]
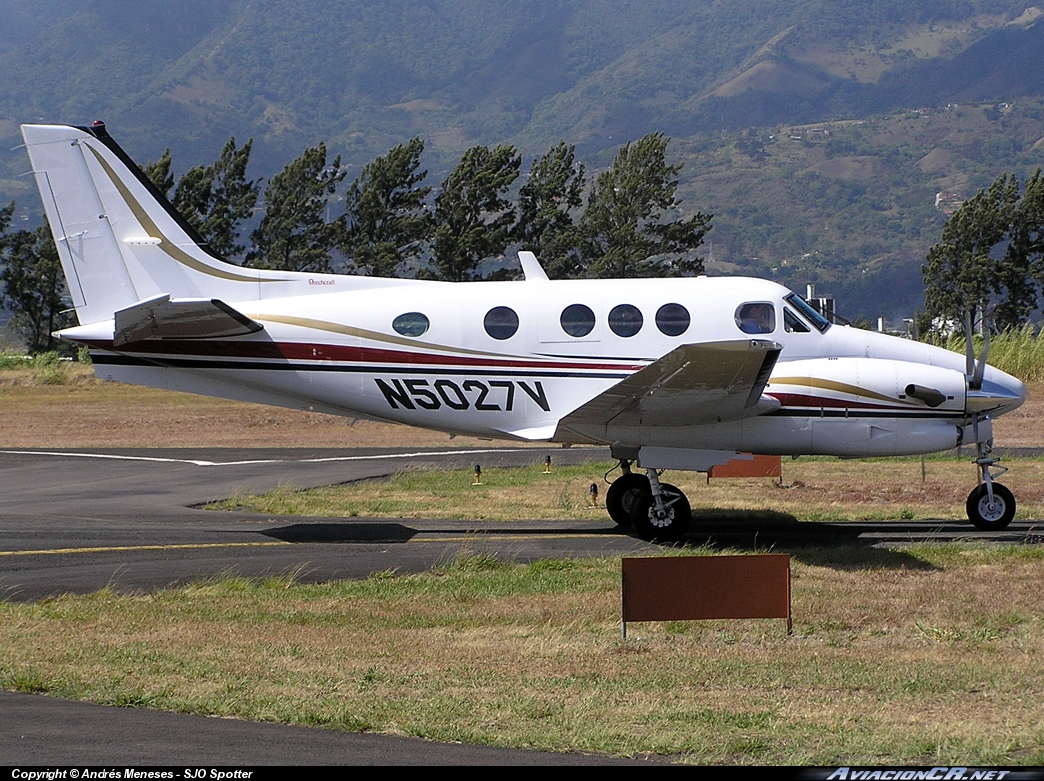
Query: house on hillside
[948, 203]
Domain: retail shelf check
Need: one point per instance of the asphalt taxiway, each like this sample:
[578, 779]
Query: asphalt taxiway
[75, 521]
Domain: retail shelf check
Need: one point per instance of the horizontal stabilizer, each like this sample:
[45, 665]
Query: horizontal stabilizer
[194, 318]
[691, 385]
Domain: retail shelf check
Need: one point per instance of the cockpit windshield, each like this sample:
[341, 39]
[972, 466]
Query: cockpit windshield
[817, 320]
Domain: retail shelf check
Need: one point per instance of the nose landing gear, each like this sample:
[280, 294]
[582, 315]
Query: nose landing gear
[990, 505]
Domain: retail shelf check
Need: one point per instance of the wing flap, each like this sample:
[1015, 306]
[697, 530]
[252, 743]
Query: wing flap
[691, 385]
[163, 318]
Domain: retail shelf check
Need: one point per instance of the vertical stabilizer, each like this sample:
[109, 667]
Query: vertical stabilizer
[119, 241]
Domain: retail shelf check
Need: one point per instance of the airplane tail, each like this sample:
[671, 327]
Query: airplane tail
[120, 241]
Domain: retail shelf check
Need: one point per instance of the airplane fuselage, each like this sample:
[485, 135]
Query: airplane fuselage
[841, 390]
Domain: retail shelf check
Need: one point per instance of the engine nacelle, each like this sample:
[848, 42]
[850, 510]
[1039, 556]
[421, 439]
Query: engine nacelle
[873, 407]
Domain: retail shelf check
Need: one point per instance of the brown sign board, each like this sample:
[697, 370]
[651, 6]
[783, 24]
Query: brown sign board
[701, 587]
[759, 466]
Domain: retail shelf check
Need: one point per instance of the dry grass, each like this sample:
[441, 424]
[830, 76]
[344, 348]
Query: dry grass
[927, 656]
[88, 413]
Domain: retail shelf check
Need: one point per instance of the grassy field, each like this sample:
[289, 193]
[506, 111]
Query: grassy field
[815, 489]
[921, 656]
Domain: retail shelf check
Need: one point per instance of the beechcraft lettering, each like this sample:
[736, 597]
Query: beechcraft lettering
[488, 396]
[681, 373]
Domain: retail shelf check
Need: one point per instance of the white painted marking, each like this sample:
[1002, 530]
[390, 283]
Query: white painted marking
[194, 462]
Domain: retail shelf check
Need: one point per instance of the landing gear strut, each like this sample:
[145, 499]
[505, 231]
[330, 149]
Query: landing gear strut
[662, 515]
[656, 511]
[990, 505]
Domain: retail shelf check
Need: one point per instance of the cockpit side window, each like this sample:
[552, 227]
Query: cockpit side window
[792, 323]
[819, 322]
[756, 318]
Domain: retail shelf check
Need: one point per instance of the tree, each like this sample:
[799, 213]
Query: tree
[1026, 246]
[472, 219]
[6, 214]
[545, 227]
[159, 173]
[193, 196]
[621, 226]
[750, 144]
[967, 270]
[213, 199]
[33, 285]
[293, 236]
[386, 222]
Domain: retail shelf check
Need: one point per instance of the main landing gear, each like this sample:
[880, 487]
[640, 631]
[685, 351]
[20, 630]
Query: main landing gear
[658, 512]
[990, 505]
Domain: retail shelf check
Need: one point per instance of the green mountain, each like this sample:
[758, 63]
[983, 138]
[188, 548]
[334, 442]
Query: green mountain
[720, 77]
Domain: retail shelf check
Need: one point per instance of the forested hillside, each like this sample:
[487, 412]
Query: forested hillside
[745, 90]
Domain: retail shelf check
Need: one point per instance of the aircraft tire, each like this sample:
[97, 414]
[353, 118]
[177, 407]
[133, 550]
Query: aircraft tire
[622, 493]
[668, 529]
[990, 517]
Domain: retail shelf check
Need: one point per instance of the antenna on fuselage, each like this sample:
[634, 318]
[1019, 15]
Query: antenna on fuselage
[531, 267]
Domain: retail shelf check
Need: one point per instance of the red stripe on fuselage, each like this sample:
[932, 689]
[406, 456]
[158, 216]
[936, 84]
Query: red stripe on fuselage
[298, 351]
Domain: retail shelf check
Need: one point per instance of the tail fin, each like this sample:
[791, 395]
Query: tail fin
[119, 240]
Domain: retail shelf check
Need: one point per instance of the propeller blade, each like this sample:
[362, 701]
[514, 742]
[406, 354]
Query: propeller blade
[980, 367]
[969, 348]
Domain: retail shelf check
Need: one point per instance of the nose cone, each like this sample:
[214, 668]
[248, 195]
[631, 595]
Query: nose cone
[999, 393]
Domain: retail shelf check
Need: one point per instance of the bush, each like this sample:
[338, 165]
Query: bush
[50, 369]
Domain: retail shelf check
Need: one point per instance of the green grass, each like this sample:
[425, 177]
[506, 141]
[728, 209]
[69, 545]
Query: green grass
[813, 489]
[921, 657]
[10, 360]
[49, 368]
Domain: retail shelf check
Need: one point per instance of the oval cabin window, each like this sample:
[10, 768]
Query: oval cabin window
[411, 324]
[577, 320]
[625, 320]
[672, 319]
[501, 322]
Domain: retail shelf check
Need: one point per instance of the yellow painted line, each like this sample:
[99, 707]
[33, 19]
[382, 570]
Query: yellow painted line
[124, 548]
[491, 536]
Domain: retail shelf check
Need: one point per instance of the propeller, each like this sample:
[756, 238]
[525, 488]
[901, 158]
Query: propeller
[974, 368]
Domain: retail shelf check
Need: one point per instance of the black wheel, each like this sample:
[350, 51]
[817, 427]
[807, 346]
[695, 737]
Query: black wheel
[666, 528]
[619, 499]
[987, 515]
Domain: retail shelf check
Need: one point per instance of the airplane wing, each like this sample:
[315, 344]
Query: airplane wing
[191, 318]
[693, 384]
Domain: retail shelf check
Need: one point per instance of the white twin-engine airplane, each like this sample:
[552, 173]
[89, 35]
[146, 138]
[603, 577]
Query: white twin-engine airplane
[669, 373]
